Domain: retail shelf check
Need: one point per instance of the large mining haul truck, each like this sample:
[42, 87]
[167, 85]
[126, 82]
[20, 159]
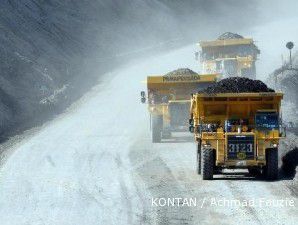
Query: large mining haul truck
[237, 130]
[229, 55]
[168, 99]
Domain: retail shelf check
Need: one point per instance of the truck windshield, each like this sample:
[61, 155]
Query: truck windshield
[267, 120]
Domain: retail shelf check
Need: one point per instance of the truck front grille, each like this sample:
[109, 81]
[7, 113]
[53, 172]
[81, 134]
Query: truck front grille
[240, 147]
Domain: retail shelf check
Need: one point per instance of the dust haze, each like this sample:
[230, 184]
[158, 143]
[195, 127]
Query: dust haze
[72, 70]
[53, 51]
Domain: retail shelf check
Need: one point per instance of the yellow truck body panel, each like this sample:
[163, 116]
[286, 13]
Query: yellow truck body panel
[215, 43]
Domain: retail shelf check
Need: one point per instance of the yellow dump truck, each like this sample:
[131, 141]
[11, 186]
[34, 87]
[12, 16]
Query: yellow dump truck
[237, 130]
[168, 101]
[229, 55]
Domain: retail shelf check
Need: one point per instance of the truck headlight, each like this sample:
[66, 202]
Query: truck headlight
[273, 145]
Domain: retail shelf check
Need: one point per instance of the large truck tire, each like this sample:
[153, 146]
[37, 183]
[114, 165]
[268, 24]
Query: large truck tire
[199, 158]
[207, 163]
[271, 168]
[290, 162]
[156, 128]
[254, 171]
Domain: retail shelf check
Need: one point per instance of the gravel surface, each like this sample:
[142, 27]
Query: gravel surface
[237, 85]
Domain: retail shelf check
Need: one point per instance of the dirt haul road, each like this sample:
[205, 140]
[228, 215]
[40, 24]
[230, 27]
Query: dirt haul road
[95, 164]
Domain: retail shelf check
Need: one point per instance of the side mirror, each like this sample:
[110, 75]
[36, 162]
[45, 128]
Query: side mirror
[143, 100]
[143, 97]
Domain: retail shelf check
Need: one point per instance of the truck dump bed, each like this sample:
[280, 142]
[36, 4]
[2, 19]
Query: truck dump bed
[219, 107]
[180, 86]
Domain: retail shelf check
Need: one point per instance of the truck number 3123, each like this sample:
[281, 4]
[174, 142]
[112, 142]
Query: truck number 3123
[234, 148]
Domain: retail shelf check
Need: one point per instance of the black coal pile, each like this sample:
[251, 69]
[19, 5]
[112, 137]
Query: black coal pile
[181, 72]
[237, 85]
[290, 161]
[229, 35]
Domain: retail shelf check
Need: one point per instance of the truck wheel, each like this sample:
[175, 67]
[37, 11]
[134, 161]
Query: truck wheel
[207, 163]
[271, 169]
[254, 171]
[156, 128]
[199, 158]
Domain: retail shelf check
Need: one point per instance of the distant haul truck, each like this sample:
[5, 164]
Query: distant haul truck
[229, 55]
[168, 99]
[237, 130]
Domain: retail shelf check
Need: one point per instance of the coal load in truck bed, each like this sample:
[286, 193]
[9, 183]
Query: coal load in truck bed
[237, 85]
[229, 35]
[181, 72]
